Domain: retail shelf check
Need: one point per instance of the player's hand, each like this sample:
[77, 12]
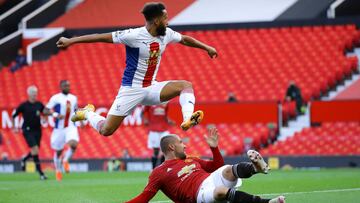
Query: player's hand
[213, 137]
[63, 42]
[60, 117]
[212, 52]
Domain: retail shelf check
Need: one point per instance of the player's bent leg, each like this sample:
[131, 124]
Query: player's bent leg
[173, 89]
[235, 196]
[220, 193]
[185, 90]
[110, 125]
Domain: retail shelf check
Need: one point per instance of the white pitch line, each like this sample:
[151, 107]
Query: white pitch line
[293, 193]
[316, 191]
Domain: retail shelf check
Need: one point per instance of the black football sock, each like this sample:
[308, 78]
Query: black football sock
[23, 161]
[234, 196]
[27, 157]
[243, 170]
[37, 164]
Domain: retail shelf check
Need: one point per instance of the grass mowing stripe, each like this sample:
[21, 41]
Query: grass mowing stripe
[296, 193]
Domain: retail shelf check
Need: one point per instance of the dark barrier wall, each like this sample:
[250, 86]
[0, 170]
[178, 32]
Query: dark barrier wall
[10, 24]
[9, 49]
[244, 112]
[348, 8]
[332, 111]
[46, 49]
[48, 15]
[306, 9]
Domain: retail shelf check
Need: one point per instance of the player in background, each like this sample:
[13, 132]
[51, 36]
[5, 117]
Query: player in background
[156, 119]
[187, 179]
[61, 106]
[144, 48]
[31, 111]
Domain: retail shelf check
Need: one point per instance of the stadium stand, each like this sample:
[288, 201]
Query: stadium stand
[313, 56]
[339, 138]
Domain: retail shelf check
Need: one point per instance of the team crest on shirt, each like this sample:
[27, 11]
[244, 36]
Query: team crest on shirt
[186, 170]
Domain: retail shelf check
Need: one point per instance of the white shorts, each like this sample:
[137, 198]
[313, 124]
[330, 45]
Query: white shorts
[60, 137]
[215, 179]
[154, 138]
[129, 97]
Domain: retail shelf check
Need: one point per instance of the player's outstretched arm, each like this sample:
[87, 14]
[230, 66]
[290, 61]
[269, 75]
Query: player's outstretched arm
[192, 42]
[64, 42]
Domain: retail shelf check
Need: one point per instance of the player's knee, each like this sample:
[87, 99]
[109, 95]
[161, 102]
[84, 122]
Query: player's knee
[107, 131]
[228, 174]
[220, 193]
[187, 84]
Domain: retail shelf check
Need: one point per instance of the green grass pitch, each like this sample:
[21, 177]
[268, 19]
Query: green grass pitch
[299, 186]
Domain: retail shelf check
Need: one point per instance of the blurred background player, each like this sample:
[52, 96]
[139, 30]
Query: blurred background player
[189, 179]
[144, 48]
[156, 119]
[61, 106]
[31, 111]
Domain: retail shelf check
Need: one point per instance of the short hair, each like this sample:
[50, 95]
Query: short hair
[153, 10]
[31, 89]
[63, 81]
[166, 140]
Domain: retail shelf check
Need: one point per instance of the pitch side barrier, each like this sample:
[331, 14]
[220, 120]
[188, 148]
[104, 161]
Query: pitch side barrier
[241, 112]
[334, 111]
[144, 164]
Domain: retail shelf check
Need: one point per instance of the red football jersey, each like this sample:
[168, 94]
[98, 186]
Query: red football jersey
[180, 179]
[157, 117]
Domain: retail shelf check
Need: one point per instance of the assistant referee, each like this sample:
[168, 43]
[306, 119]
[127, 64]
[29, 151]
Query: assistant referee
[31, 111]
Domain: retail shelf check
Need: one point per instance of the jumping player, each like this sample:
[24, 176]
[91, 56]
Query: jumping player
[186, 179]
[144, 49]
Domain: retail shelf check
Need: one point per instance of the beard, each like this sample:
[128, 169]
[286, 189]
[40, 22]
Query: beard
[180, 155]
[161, 30]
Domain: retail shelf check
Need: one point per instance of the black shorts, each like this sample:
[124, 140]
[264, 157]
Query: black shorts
[32, 137]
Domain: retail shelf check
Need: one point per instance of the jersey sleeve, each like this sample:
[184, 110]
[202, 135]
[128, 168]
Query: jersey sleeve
[211, 165]
[172, 36]
[123, 37]
[51, 103]
[145, 196]
[150, 190]
[18, 110]
[154, 182]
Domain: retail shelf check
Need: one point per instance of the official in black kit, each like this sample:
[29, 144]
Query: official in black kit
[31, 111]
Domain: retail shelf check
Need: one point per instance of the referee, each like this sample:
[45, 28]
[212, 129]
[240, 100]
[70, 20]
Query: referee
[31, 111]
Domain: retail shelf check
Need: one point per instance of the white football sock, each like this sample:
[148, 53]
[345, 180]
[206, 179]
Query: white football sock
[94, 119]
[68, 154]
[57, 162]
[187, 102]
